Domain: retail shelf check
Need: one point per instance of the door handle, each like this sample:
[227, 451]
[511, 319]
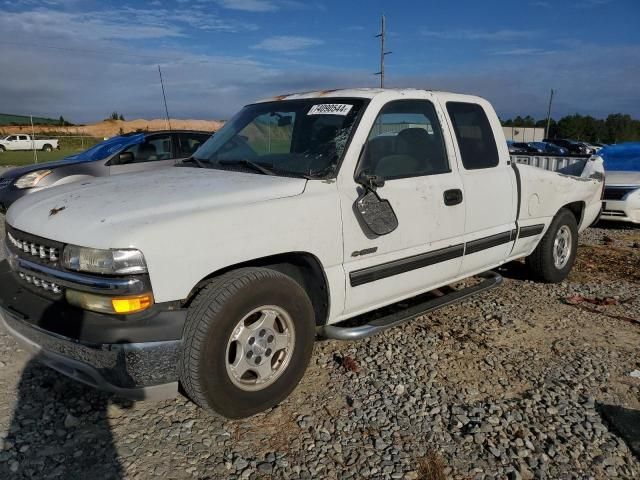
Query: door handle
[452, 197]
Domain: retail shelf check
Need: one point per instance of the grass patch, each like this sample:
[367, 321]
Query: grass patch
[11, 159]
[431, 467]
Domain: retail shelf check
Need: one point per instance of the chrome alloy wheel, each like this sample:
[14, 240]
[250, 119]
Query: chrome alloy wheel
[562, 247]
[260, 348]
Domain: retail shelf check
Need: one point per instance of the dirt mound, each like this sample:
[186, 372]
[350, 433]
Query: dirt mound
[110, 128]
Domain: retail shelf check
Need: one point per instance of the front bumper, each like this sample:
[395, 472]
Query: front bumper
[134, 356]
[622, 210]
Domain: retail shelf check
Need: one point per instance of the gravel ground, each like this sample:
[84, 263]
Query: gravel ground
[510, 384]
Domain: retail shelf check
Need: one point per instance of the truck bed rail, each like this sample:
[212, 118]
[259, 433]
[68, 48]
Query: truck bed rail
[570, 165]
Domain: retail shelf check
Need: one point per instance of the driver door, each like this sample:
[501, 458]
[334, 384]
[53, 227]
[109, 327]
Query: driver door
[406, 147]
[155, 152]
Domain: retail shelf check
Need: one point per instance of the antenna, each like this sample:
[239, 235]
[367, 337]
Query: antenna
[168, 121]
[382, 36]
[546, 132]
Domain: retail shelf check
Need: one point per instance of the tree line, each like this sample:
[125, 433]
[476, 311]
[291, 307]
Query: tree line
[616, 128]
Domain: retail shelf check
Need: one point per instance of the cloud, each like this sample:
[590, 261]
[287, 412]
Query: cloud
[591, 3]
[497, 35]
[250, 5]
[59, 66]
[124, 24]
[523, 51]
[287, 43]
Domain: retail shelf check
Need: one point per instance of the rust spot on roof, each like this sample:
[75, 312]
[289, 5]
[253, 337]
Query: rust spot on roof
[281, 97]
[322, 93]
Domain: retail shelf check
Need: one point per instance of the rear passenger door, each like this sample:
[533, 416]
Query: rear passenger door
[188, 143]
[488, 180]
[407, 148]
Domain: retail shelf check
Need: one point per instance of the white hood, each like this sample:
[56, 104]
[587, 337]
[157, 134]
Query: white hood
[622, 178]
[90, 212]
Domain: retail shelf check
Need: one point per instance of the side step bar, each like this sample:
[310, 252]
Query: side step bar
[336, 332]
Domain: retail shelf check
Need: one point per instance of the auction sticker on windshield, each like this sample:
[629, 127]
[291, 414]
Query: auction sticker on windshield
[330, 109]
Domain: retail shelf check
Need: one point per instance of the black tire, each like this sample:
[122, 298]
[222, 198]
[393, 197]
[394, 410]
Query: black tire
[47, 148]
[541, 262]
[211, 320]
[2, 149]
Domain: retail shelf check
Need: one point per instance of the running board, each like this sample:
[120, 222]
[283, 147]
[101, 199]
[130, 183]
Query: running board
[336, 332]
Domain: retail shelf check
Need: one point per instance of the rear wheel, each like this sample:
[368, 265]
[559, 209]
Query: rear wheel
[554, 256]
[47, 148]
[247, 342]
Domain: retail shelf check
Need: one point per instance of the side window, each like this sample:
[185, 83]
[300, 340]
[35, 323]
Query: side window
[12, 138]
[405, 141]
[475, 138]
[22, 137]
[154, 148]
[188, 143]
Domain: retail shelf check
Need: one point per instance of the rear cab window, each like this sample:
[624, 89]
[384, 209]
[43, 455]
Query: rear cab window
[474, 134]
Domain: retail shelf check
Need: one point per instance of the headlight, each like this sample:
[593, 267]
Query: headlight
[32, 179]
[107, 262]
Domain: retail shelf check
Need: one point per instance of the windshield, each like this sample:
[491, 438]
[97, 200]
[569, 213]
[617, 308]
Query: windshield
[108, 147]
[304, 138]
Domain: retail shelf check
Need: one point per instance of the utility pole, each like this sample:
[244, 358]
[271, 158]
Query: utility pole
[382, 36]
[546, 131]
[33, 141]
[168, 121]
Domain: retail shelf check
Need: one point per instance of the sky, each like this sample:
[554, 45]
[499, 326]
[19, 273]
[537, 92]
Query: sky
[85, 59]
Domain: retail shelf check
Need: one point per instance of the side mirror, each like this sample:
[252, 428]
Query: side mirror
[125, 157]
[376, 213]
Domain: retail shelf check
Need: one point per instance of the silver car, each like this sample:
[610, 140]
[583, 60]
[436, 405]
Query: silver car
[133, 152]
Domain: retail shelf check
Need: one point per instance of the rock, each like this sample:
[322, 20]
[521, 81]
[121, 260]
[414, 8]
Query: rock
[70, 421]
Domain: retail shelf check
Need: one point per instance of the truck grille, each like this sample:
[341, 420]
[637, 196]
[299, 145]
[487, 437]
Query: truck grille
[617, 193]
[4, 182]
[32, 248]
[40, 283]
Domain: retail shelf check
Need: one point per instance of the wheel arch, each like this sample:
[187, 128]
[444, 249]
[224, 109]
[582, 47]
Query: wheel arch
[303, 267]
[577, 209]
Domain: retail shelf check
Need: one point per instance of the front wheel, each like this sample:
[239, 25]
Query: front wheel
[247, 342]
[554, 256]
[2, 149]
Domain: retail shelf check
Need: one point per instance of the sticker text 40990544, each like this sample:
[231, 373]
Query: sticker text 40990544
[330, 109]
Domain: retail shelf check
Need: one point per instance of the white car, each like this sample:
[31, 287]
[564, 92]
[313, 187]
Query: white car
[300, 217]
[26, 142]
[621, 199]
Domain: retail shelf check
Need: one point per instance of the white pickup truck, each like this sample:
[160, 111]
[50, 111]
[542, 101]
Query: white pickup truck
[307, 214]
[27, 142]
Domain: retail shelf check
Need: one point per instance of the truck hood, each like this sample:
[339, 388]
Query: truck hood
[622, 178]
[93, 212]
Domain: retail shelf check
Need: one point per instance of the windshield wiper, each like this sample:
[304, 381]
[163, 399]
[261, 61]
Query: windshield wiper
[197, 162]
[247, 163]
